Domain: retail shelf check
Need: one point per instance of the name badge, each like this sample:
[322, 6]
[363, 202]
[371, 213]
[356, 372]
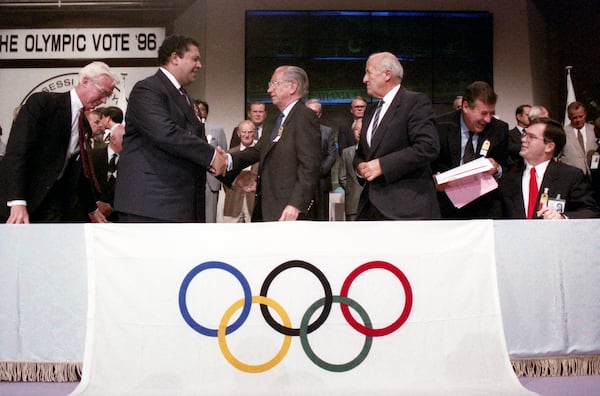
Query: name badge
[485, 148]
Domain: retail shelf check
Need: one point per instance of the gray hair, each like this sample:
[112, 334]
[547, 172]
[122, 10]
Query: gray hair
[389, 61]
[295, 73]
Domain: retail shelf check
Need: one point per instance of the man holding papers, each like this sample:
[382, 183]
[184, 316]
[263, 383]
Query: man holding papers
[546, 189]
[468, 134]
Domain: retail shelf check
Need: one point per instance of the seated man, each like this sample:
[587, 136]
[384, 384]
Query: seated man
[546, 189]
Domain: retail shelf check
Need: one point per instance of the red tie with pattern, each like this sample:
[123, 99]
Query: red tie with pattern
[533, 193]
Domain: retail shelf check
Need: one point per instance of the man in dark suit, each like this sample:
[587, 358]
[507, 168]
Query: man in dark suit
[257, 113]
[397, 143]
[106, 160]
[467, 134]
[165, 147]
[515, 161]
[347, 176]
[328, 157]
[522, 192]
[346, 131]
[45, 172]
[288, 153]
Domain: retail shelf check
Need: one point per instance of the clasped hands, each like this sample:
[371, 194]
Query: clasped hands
[369, 170]
[218, 166]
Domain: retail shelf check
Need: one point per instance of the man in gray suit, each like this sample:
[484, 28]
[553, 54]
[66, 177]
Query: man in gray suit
[165, 147]
[581, 140]
[215, 135]
[347, 176]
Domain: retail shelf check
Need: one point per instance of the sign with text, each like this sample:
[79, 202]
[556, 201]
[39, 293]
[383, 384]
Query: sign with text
[80, 43]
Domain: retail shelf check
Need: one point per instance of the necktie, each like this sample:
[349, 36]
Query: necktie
[533, 193]
[84, 151]
[183, 93]
[277, 126]
[112, 168]
[376, 117]
[580, 139]
[469, 151]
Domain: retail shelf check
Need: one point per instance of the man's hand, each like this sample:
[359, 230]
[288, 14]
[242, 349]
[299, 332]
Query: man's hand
[104, 208]
[97, 217]
[439, 187]
[549, 213]
[369, 170]
[290, 213]
[18, 215]
[218, 166]
[495, 166]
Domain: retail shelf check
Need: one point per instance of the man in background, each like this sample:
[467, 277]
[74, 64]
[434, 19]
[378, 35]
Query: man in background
[515, 161]
[346, 134]
[257, 113]
[581, 140]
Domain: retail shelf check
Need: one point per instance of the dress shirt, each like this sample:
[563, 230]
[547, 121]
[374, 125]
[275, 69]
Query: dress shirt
[583, 135]
[540, 169]
[464, 138]
[387, 100]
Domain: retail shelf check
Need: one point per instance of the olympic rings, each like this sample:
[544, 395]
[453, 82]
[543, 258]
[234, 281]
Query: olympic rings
[305, 328]
[407, 305]
[326, 287]
[337, 368]
[287, 340]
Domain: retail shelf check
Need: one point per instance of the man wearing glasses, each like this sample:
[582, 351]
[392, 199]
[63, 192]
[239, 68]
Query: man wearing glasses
[289, 153]
[45, 171]
[546, 189]
[346, 132]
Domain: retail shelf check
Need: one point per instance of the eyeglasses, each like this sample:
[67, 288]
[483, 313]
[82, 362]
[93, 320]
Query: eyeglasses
[102, 91]
[277, 82]
[530, 136]
[246, 132]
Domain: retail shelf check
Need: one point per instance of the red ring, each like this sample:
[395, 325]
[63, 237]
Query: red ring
[407, 304]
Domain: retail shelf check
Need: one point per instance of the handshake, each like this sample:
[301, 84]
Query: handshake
[218, 166]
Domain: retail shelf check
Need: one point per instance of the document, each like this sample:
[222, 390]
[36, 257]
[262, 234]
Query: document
[468, 182]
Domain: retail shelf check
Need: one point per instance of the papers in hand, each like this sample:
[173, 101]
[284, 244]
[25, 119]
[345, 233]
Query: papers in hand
[468, 182]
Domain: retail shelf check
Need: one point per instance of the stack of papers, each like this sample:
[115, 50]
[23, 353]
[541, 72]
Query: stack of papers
[467, 182]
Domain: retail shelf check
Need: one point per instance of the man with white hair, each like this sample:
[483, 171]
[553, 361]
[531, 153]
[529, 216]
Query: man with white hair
[46, 167]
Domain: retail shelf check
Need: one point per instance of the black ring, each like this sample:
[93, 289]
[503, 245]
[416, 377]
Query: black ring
[326, 305]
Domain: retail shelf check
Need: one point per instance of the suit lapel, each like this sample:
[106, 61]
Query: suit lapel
[382, 128]
[178, 98]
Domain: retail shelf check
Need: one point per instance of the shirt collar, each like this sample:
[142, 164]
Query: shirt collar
[171, 78]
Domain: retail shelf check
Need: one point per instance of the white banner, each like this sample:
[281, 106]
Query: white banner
[93, 43]
[385, 308]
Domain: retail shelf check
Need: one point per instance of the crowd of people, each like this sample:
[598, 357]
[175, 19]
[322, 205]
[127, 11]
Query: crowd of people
[64, 150]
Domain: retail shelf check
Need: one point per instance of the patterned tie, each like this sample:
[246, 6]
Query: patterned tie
[533, 193]
[469, 151]
[376, 118]
[84, 150]
[277, 126]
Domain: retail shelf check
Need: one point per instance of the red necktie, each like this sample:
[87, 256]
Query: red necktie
[84, 151]
[533, 194]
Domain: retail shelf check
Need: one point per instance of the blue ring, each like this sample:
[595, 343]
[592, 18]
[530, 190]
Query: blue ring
[183, 293]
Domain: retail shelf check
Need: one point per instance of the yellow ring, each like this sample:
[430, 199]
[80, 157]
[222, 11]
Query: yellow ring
[259, 368]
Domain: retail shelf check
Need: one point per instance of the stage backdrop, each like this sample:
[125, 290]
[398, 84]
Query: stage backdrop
[204, 310]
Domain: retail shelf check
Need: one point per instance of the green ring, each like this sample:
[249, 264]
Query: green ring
[336, 368]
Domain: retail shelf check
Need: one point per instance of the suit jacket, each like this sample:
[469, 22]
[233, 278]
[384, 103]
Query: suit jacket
[562, 179]
[345, 137]
[35, 157]
[162, 169]
[514, 160]
[496, 132]
[572, 154]
[218, 138]
[288, 169]
[100, 160]
[328, 157]
[234, 196]
[348, 180]
[405, 143]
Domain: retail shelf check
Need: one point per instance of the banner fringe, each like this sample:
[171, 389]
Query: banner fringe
[40, 371]
[557, 366]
